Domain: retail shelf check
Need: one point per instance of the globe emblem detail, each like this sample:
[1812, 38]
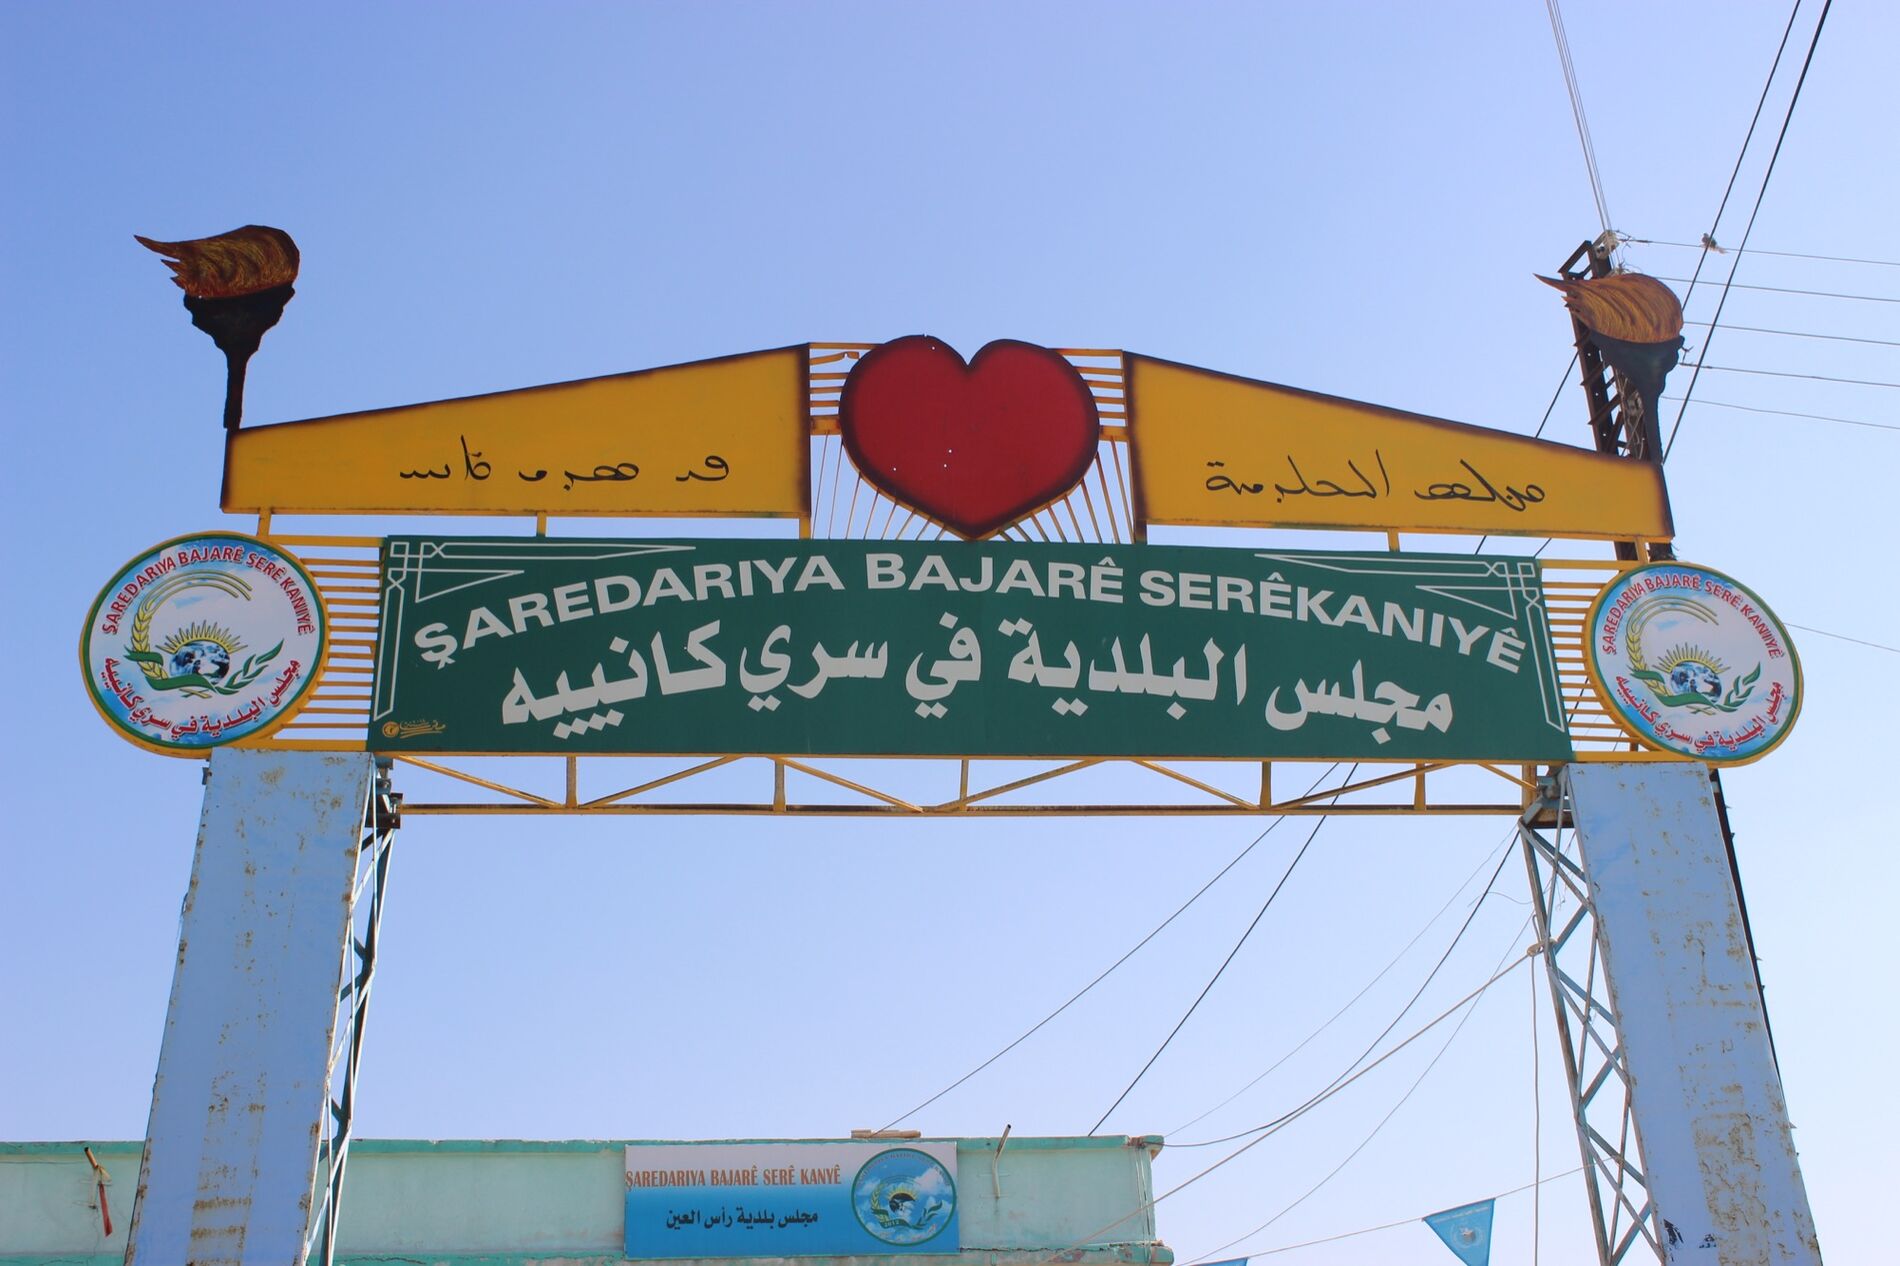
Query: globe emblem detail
[207, 659]
[1694, 677]
[903, 1196]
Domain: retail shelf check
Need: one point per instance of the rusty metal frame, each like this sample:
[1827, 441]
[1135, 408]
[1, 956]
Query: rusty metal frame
[1596, 1073]
[380, 820]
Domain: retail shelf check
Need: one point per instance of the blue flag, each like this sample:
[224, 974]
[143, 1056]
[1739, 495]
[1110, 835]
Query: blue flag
[1466, 1231]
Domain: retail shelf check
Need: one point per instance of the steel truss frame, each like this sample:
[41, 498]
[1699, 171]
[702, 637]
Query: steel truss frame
[1370, 790]
[1590, 1032]
[381, 817]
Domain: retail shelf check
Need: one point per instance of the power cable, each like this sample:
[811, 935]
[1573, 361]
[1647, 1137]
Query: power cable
[1374, 1133]
[1539, 432]
[1788, 290]
[1783, 373]
[1834, 338]
[1708, 239]
[1221, 970]
[1842, 637]
[1756, 250]
[1354, 1000]
[1707, 403]
[1077, 996]
[1403, 1011]
[1760, 195]
[1537, 1134]
[1551, 407]
[1273, 1127]
[1576, 110]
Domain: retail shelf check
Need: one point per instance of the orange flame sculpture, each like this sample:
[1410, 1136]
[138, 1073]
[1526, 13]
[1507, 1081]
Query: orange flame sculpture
[236, 285]
[1635, 322]
[1626, 306]
[241, 262]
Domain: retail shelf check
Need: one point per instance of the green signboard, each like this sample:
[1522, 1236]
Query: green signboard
[993, 648]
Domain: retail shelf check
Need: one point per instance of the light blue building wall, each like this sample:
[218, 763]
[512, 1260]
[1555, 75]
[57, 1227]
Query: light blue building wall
[508, 1202]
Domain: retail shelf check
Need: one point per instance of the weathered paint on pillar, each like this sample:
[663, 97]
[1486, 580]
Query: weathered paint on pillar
[237, 1105]
[1707, 1100]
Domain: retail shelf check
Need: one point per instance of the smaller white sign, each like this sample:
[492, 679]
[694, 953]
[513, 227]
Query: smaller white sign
[835, 1199]
[1690, 661]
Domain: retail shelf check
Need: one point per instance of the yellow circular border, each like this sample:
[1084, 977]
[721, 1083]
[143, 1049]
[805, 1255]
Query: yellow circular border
[264, 731]
[1616, 713]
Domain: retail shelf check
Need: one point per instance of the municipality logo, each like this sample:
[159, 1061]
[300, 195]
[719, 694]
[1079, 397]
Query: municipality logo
[194, 659]
[202, 641]
[1689, 661]
[904, 1197]
[1687, 676]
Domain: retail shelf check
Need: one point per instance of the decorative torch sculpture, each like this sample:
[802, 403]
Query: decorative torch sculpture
[1636, 323]
[236, 285]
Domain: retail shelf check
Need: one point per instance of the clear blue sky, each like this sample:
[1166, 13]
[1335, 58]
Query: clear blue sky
[1349, 198]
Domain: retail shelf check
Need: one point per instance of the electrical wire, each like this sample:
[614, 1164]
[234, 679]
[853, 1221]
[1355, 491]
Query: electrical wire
[1708, 239]
[1539, 432]
[1537, 1134]
[1760, 195]
[1403, 1011]
[1077, 996]
[1273, 1127]
[1374, 1133]
[1705, 402]
[1550, 408]
[1353, 1001]
[1783, 373]
[1756, 250]
[1842, 637]
[1576, 110]
[1221, 970]
[1835, 338]
[1790, 290]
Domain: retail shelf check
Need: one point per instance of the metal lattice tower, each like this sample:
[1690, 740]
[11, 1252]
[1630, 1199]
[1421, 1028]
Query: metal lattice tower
[1595, 1071]
[383, 816]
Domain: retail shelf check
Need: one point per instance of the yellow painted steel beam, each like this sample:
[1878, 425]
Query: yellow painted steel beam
[642, 443]
[769, 809]
[1334, 800]
[1219, 450]
[655, 784]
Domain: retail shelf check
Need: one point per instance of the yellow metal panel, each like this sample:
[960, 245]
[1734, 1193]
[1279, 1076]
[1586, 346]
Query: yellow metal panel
[717, 437]
[1213, 449]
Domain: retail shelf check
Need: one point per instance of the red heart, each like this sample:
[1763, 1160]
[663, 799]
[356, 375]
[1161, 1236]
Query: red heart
[975, 447]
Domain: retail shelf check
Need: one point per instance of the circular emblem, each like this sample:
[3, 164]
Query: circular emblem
[202, 641]
[904, 1196]
[1689, 661]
